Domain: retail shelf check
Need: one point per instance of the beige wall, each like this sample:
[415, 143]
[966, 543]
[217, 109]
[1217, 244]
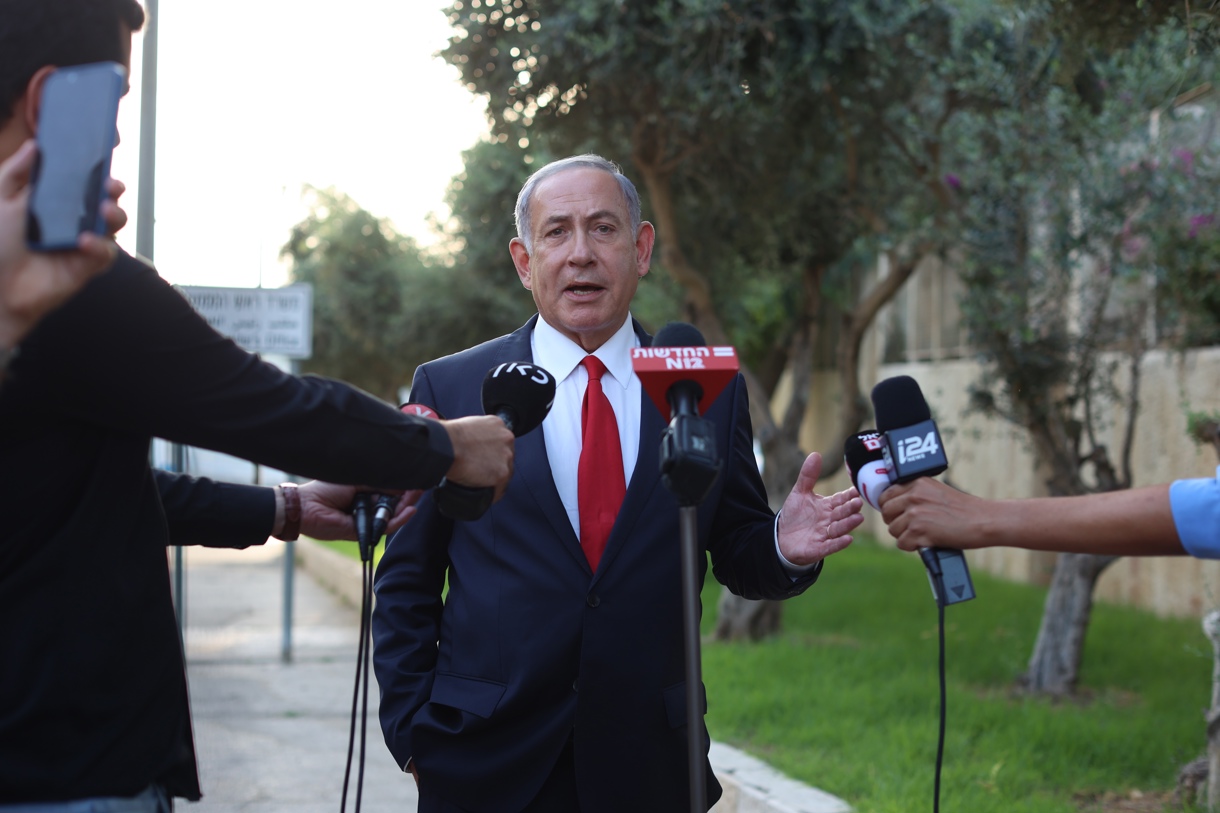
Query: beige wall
[991, 459]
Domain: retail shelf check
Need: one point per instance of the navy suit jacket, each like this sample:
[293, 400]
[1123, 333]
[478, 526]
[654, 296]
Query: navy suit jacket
[484, 685]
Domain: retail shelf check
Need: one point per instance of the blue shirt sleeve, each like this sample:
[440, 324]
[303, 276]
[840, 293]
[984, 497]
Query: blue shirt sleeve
[1196, 515]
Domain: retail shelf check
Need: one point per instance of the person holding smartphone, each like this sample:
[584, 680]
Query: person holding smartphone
[32, 284]
[94, 710]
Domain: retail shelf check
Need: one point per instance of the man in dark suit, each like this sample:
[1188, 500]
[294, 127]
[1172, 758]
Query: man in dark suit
[550, 677]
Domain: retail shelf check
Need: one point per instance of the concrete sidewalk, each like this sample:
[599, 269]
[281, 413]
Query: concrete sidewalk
[272, 736]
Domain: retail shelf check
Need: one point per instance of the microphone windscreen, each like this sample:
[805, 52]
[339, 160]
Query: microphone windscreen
[859, 450]
[519, 391]
[679, 334]
[899, 402]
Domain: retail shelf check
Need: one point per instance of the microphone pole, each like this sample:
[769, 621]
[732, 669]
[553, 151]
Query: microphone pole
[689, 467]
[689, 374]
[688, 533]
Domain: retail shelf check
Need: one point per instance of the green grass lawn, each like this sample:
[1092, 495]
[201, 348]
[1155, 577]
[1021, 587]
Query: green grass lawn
[846, 698]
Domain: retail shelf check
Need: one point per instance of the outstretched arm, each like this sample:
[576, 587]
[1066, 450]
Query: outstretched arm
[1134, 522]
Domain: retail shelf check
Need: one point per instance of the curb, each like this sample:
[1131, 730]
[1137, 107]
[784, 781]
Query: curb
[750, 785]
[753, 786]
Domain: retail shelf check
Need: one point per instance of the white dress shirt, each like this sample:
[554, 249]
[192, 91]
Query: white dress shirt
[561, 357]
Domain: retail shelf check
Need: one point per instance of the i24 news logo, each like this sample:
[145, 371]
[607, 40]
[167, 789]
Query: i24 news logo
[916, 448]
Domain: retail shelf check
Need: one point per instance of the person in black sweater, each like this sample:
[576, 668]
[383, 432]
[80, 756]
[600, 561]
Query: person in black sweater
[93, 696]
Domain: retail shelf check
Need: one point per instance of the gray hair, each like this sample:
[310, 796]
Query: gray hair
[587, 161]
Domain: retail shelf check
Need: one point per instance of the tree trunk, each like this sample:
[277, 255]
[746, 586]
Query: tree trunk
[854, 407]
[737, 618]
[1211, 628]
[1055, 665]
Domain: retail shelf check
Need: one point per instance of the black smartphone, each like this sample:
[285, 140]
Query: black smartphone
[77, 128]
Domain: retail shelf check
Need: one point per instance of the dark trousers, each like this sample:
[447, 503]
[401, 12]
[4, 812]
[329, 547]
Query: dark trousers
[558, 793]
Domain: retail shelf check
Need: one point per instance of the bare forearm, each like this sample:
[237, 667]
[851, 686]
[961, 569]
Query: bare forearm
[1135, 522]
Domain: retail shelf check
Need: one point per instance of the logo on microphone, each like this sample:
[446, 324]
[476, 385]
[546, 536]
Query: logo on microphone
[917, 448]
[531, 371]
[421, 410]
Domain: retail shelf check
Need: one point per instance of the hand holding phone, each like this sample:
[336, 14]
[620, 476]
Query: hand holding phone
[77, 129]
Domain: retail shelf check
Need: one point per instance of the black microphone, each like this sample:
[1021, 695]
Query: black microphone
[912, 448]
[690, 374]
[361, 506]
[518, 393]
[383, 509]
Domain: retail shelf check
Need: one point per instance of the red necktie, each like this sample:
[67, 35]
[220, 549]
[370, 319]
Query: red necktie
[599, 479]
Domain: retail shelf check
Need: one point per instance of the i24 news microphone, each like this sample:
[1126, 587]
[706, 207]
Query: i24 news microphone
[911, 447]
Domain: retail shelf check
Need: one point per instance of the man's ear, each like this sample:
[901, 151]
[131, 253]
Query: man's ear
[30, 103]
[521, 260]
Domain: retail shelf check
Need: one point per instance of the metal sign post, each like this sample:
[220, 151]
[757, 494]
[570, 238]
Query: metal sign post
[263, 320]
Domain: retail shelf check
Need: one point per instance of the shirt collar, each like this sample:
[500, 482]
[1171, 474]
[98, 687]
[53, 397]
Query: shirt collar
[559, 355]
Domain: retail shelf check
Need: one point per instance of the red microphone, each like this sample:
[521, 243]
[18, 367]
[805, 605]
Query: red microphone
[679, 358]
[680, 371]
[422, 410]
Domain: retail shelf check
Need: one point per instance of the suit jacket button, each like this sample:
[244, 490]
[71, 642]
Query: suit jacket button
[592, 600]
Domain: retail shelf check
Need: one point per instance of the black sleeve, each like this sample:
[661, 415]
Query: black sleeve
[132, 355]
[204, 512]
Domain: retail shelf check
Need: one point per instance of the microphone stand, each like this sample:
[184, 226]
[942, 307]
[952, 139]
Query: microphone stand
[689, 468]
[689, 539]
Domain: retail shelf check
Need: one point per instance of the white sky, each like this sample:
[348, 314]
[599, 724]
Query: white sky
[256, 99]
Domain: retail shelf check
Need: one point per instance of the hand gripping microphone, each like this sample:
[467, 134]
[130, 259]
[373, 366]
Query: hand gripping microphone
[371, 512]
[912, 448]
[683, 376]
[518, 393]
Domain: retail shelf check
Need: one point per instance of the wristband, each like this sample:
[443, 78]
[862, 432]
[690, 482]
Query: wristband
[292, 513]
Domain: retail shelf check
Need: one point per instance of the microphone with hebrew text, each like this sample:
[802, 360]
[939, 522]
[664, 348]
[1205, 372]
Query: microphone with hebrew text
[518, 393]
[683, 376]
[865, 462]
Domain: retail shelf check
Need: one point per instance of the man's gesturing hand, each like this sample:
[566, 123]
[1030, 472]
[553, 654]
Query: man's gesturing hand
[482, 452]
[811, 527]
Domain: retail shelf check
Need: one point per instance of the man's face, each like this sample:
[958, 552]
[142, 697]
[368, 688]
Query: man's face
[585, 266]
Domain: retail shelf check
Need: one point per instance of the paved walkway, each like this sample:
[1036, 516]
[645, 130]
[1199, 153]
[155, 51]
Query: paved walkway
[272, 736]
